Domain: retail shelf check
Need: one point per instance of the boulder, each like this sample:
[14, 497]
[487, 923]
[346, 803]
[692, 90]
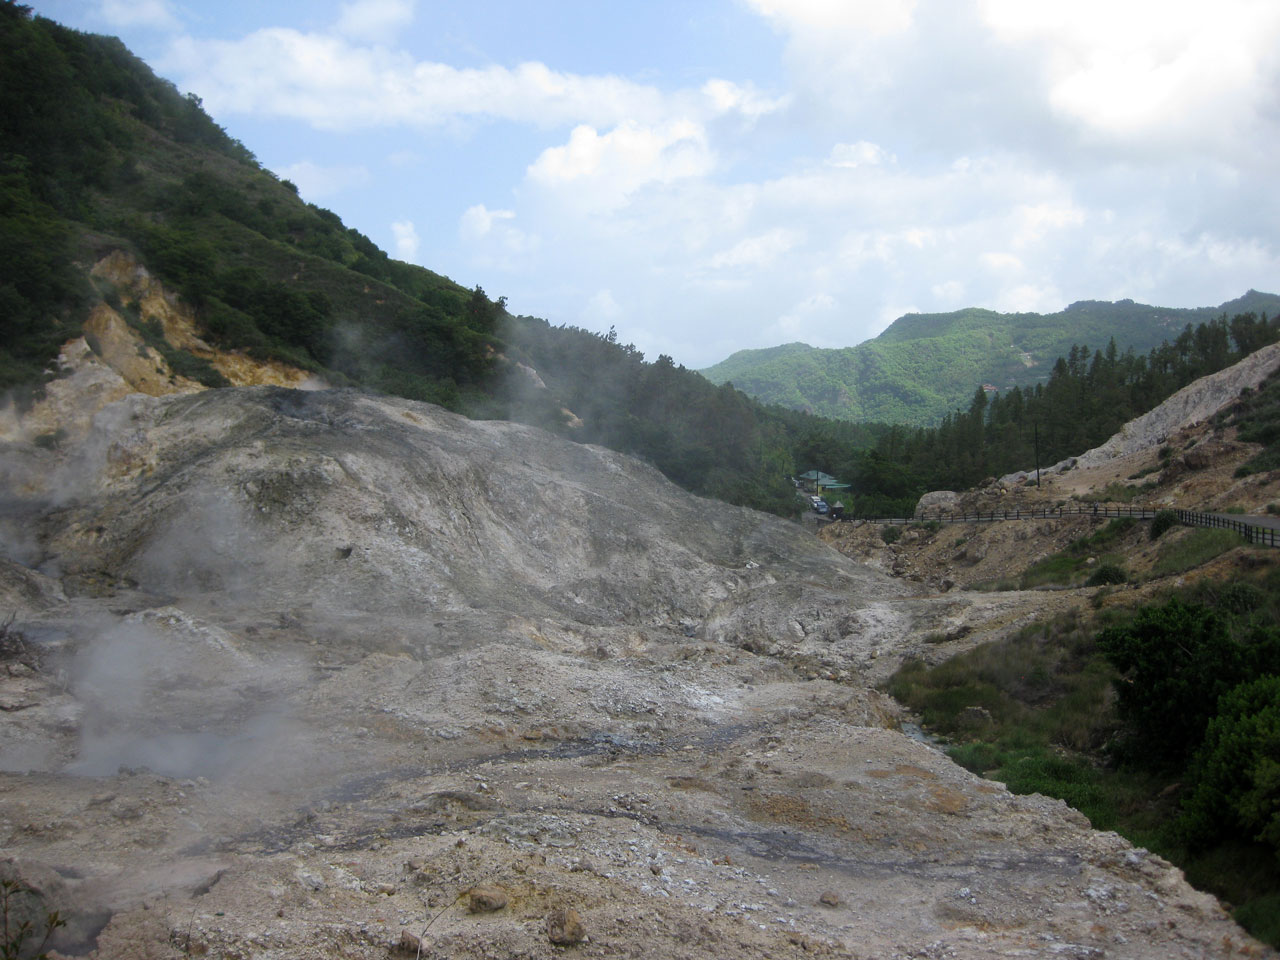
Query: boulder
[946, 501]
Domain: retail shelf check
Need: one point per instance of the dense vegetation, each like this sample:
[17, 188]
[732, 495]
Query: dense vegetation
[1088, 397]
[1161, 722]
[925, 365]
[99, 154]
[710, 439]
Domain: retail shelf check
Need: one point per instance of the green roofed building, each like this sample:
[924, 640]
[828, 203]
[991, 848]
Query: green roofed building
[822, 481]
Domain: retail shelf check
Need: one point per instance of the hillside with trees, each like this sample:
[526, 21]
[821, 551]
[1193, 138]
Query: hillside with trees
[925, 365]
[101, 155]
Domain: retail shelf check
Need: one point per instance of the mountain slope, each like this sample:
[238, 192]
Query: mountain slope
[925, 365]
[298, 671]
[102, 155]
[106, 163]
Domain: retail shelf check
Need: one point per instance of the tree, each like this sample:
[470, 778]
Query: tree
[1175, 661]
[1235, 776]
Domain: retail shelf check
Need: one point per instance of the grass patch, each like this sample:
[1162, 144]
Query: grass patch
[1120, 492]
[1197, 547]
[1061, 569]
[1071, 567]
[1046, 681]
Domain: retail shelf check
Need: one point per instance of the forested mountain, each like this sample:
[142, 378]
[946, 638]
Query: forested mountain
[925, 365]
[99, 155]
[1088, 397]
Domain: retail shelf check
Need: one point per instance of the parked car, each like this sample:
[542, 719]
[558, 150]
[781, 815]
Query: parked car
[820, 505]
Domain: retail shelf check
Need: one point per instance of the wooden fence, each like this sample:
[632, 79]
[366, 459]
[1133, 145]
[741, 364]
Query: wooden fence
[1050, 513]
[1256, 531]
[1260, 534]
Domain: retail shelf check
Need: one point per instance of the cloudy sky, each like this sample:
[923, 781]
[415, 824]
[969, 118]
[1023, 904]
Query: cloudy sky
[709, 175]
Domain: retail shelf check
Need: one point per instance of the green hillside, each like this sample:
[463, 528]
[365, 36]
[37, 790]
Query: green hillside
[926, 365]
[97, 154]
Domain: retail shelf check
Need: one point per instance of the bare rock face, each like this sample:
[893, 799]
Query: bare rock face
[300, 673]
[944, 501]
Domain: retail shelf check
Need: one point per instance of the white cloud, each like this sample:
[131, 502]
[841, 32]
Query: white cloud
[332, 84]
[1001, 262]
[1029, 298]
[315, 181]
[493, 240]
[1037, 220]
[875, 17]
[407, 240]
[1149, 68]
[860, 154]
[600, 309]
[949, 292]
[803, 321]
[404, 158]
[377, 21]
[728, 97]
[599, 171]
[133, 13]
[904, 153]
[762, 250]
[477, 221]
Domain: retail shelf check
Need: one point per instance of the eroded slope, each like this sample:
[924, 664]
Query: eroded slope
[298, 670]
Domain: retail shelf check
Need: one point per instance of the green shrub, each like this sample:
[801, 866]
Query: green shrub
[1107, 573]
[26, 928]
[890, 533]
[1235, 776]
[1175, 660]
[1162, 521]
[1261, 917]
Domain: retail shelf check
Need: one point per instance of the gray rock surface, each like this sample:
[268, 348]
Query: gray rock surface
[946, 501]
[311, 667]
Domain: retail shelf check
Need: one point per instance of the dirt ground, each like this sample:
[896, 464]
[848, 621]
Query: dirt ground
[322, 675]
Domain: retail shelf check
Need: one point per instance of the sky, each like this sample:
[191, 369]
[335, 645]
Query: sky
[707, 176]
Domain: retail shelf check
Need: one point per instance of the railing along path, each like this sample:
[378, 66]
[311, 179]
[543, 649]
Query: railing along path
[1263, 531]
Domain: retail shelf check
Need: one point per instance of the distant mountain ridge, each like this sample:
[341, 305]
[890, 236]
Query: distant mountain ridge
[927, 364]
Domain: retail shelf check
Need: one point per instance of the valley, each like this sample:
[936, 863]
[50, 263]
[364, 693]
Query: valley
[299, 670]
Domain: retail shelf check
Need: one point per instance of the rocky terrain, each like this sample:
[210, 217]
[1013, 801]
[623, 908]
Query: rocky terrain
[320, 674]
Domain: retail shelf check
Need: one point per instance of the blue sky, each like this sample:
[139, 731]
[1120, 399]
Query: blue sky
[713, 175]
